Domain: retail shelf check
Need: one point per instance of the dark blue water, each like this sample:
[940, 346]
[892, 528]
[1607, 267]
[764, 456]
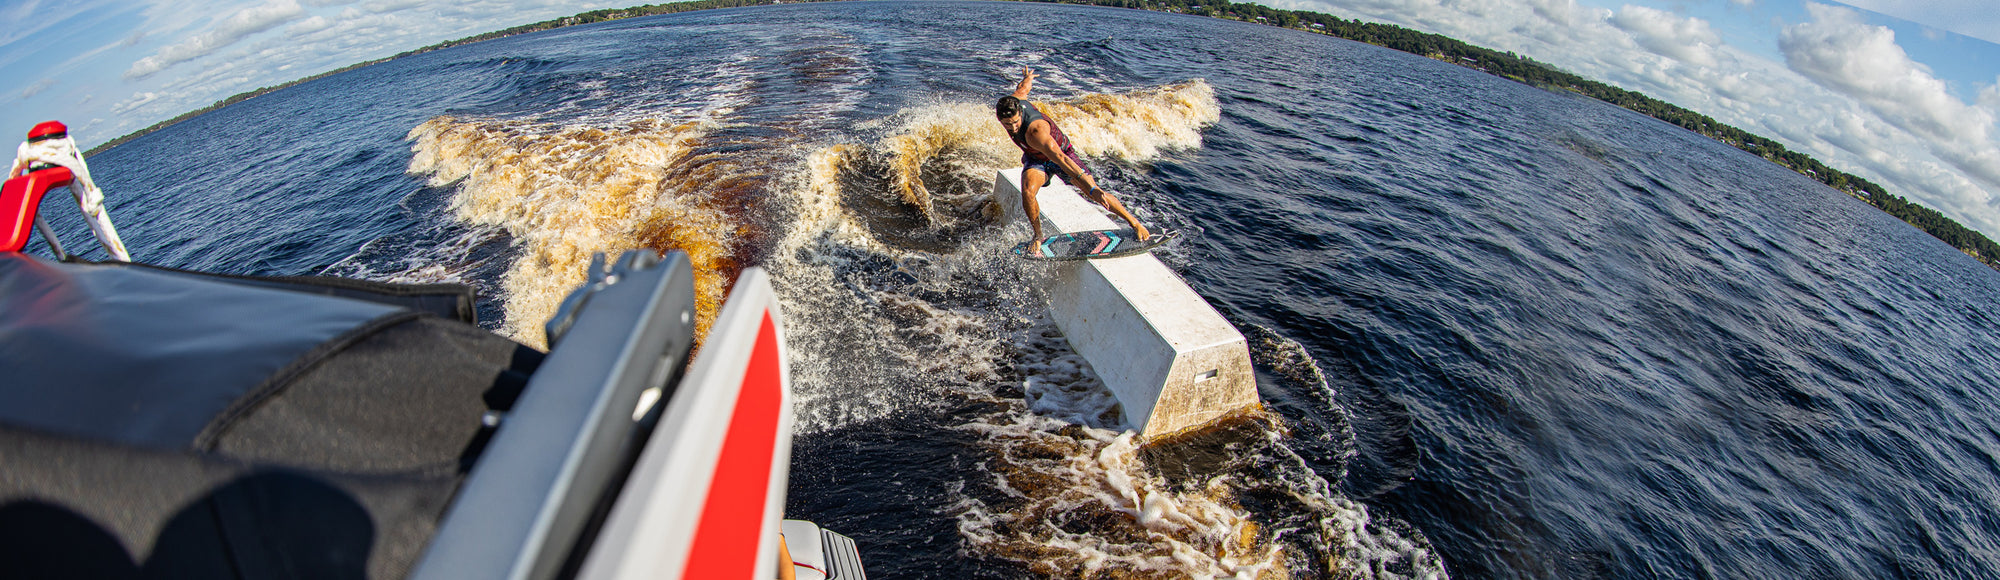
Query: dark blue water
[1567, 340]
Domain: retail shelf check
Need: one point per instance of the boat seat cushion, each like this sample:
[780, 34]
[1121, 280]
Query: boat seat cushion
[411, 396]
[149, 358]
[160, 424]
[77, 508]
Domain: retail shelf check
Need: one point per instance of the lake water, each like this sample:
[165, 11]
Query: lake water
[1501, 331]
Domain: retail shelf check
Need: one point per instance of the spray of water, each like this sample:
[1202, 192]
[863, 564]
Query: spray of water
[566, 192]
[888, 258]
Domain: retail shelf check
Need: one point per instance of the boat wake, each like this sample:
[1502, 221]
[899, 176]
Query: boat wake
[565, 192]
[887, 254]
[1079, 497]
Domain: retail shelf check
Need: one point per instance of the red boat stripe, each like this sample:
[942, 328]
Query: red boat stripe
[725, 542]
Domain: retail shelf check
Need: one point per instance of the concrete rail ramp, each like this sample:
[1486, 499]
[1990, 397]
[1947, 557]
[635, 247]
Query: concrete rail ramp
[1173, 361]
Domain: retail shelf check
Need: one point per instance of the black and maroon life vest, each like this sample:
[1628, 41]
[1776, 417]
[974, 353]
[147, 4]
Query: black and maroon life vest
[1030, 114]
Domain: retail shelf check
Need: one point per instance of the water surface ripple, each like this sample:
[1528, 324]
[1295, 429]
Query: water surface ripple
[1561, 339]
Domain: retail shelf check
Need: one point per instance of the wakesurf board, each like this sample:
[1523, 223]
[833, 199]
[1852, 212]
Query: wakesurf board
[1091, 245]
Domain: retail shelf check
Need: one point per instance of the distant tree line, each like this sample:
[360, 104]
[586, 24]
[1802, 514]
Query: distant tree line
[1444, 48]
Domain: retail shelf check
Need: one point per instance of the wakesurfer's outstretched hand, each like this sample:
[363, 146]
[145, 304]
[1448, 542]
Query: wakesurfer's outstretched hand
[1045, 151]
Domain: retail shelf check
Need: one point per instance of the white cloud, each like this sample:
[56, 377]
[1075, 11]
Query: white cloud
[1842, 53]
[20, 12]
[238, 53]
[386, 6]
[37, 88]
[30, 34]
[348, 38]
[1688, 40]
[26, 19]
[1989, 96]
[134, 102]
[1974, 18]
[309, 26]
[1848, 56]
[225, 33]
[1563, 12]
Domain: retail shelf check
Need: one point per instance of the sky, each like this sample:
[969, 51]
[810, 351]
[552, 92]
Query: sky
[1902, 93]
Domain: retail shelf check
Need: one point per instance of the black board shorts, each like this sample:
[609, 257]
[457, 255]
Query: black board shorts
[1050, 169]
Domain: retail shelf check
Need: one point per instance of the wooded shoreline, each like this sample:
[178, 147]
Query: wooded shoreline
[1504, 64]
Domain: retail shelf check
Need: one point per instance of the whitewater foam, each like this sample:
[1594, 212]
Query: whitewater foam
[565, 192]
[899, 297]
[891, 262]
[1081, 499]
[940, 157]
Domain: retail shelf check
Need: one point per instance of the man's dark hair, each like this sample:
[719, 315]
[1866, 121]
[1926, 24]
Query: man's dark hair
[1007, 107]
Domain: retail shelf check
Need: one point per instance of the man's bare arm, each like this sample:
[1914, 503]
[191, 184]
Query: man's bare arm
[1039, 138]
[1027, 82]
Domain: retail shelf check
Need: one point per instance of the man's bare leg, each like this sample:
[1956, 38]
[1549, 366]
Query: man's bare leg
[1031, 183]
[1104, 198]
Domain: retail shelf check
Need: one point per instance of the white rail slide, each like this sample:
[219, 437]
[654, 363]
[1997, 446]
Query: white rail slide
[1173, 361]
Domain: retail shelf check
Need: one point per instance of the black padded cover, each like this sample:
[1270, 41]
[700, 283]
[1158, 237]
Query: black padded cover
[170, 425]
[144, 357]
[75, 508]
[448, 301]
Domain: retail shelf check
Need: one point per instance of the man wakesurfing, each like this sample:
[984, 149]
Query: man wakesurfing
[1045, 151]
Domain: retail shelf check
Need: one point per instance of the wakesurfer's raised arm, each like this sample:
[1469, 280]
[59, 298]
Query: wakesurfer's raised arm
[1027, 82]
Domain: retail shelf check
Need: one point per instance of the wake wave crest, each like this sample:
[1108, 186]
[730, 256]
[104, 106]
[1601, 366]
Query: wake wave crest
[887, 237]
[898, 296]
[904, 298]
[566, 192]
[1078, 496]
[935, 150]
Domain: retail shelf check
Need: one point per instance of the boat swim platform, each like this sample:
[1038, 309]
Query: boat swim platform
[1171, 359]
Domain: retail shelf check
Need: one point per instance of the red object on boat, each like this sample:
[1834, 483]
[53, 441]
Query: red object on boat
[48, 129]
[19, 199]
[726, 541]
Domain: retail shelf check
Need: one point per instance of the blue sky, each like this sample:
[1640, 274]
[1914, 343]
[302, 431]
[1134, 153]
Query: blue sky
[109, 67]
[1902, 93]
